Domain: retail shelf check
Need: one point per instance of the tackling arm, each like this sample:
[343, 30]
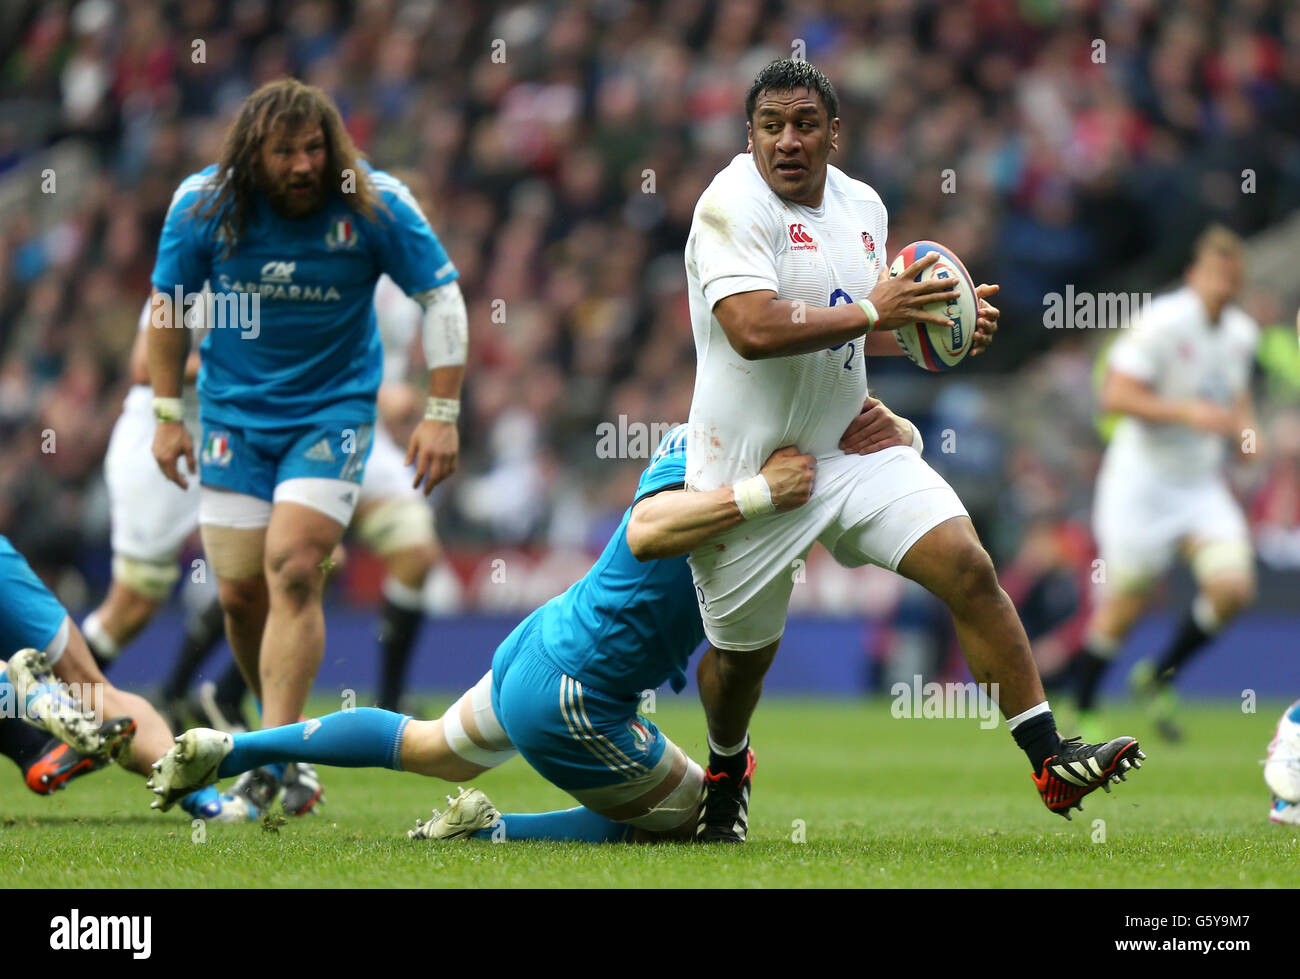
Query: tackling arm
[676, 522]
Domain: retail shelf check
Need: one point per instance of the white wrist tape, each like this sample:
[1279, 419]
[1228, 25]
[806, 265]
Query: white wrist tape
[168, 409]
[753, 497]
[873, 317]
[446, 326]
[917, 443]
[442, 410]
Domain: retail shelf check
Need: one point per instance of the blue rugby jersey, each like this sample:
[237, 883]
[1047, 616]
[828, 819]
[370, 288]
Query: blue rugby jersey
[314, 356]
[629, 625]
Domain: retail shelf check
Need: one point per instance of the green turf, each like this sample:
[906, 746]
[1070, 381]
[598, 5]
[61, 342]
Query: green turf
[881, 801]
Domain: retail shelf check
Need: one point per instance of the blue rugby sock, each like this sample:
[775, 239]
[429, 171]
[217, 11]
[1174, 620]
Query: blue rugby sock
[580, 825]
[195, 801]
[363, 738]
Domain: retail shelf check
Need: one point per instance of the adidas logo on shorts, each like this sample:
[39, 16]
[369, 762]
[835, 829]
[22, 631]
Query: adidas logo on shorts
[320, 452]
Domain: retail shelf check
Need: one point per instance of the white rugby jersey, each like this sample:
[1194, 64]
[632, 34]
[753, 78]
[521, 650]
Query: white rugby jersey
[400, 319]
[1174, 349]
[744, 237]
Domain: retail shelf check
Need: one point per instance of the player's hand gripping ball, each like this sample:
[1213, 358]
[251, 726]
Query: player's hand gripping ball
[935, 347]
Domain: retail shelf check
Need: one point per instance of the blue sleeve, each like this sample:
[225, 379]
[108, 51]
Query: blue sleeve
[409, 251]
[668, 472]
[184, 258]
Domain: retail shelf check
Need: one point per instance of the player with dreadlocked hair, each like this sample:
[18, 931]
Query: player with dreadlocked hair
[292, 228]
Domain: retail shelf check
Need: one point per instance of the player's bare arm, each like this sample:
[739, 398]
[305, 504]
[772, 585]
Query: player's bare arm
[676, 522]
[435, 443]
[876, 428]
[168, 350]
[1128, 395]
[759, 325]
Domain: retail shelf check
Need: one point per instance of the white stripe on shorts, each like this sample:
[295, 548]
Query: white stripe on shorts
[574, 712]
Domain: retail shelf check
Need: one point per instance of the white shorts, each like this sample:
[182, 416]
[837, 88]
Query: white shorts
[1142, 522]
[864, 509]
[387, 476]
[151, 515]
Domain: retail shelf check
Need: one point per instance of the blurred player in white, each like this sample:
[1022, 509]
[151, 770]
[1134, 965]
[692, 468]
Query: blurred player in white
[151, 516]
[784, 265]
[1181, 379]
[151, 520]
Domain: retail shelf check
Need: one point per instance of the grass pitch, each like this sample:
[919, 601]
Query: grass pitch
[876, 801]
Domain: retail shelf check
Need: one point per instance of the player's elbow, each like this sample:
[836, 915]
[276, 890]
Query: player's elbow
[744, 338]
[642, 541]
[750, 345]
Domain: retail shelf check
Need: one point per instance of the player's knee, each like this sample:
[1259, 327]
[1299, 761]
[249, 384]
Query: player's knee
[1230, 597]
[412, 565]
[972, 579]
[242, 598]
[742, 667]
[297, 574]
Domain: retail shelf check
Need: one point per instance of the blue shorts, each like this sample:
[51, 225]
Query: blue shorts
[575, 736]
[254, 461]
[30, 615]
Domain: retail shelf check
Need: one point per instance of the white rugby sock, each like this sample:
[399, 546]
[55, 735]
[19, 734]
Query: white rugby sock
[1204, 616]
[1015, 722]
[727, 752]
[1104, 647]
[402, 595]
[92, 627]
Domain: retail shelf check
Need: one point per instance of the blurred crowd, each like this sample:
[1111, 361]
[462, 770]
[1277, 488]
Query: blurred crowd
[563, 147]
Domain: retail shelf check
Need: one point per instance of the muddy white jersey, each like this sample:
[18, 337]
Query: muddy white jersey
[1175, 349]
[745, 238]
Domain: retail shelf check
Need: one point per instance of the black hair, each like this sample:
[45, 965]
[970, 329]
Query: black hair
[785, 76]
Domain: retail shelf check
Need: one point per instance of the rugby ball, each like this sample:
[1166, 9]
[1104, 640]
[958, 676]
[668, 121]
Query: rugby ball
[934, 347]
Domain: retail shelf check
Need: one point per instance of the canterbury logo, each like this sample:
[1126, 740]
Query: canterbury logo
[799, 236]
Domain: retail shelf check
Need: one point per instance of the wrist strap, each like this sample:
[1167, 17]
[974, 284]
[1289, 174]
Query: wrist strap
[442, 410]
[753, 497]
[917, 442]
[872, 316]
[168, 409]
